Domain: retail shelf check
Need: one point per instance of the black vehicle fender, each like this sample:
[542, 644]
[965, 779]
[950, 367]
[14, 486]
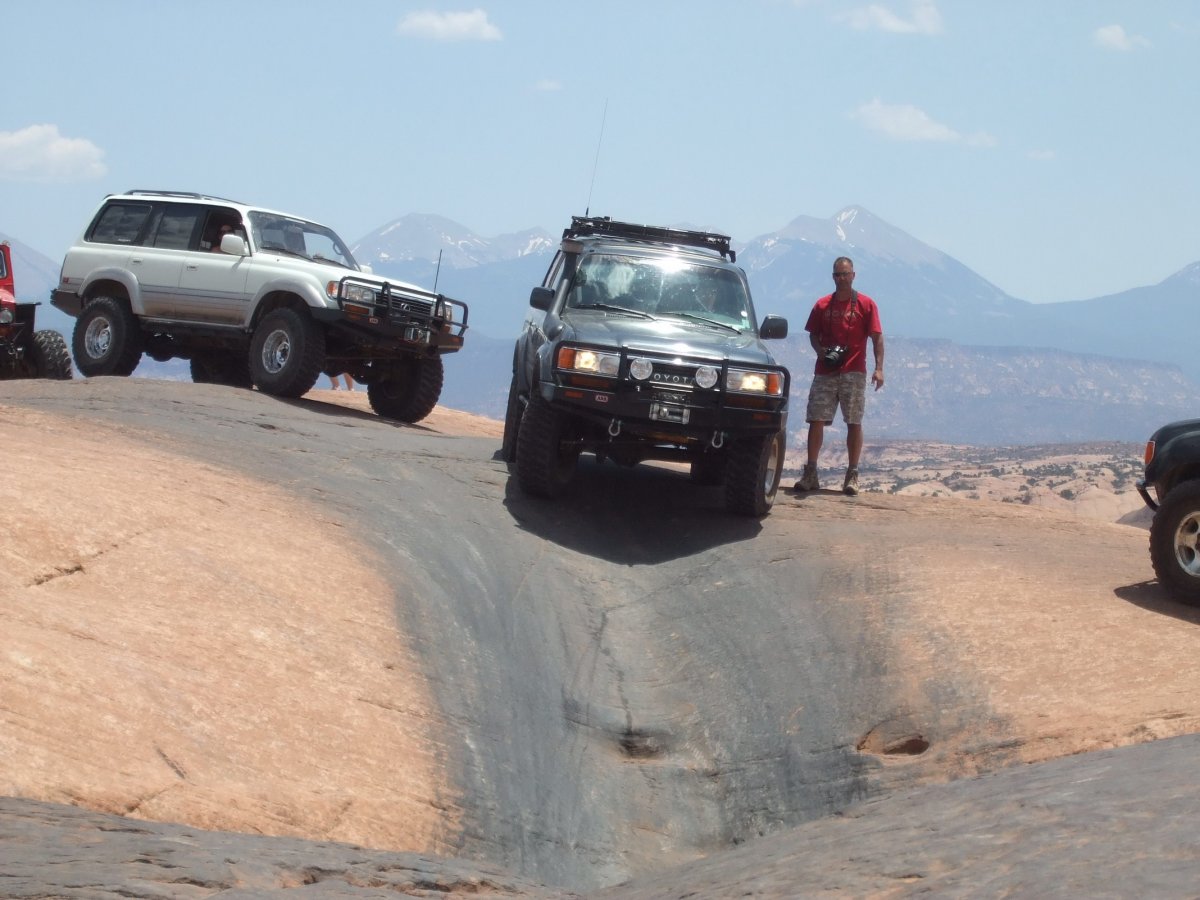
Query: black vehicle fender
[1177, 460]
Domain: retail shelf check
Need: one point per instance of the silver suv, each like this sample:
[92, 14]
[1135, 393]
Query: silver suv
[250, 296]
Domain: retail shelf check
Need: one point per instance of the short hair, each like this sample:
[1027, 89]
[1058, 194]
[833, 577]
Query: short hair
[843, 259]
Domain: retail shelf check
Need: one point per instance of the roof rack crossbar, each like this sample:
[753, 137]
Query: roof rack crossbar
[706, 240]
[189, 194]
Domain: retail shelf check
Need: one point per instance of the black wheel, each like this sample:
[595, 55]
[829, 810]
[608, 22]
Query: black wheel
[709, 468]
[221, 367]
[409, 390]
[50, 356]
[287, 353]
[512, 424]
[1175, 543]
[752, 474]
[545, 458]
[107, 340]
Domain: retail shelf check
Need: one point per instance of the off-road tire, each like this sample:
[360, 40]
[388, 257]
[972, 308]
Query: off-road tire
[408, 390]
[1175, 543]
[107, 339]
[545, 460]
[709, 468]
[752, 474]
[287, 353]
[49, 356]
[221, 367]
[512, 424]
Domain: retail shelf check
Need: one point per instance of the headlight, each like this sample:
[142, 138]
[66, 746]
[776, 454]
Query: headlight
[355, 293]
[6, 316]
[580, 359]
[751, 381]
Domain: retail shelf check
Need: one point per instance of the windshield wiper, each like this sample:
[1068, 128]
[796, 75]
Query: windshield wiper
[608, 307]
[706, 320]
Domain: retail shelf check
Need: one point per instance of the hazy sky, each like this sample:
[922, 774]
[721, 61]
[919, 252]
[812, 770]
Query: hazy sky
[1050, 146]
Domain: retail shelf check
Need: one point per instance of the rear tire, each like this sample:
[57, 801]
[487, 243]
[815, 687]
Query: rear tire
[107, 339]
[409, 390]
[545, 460]
[752, 474]
[287, 353]
[50, 356]
[1175, 543]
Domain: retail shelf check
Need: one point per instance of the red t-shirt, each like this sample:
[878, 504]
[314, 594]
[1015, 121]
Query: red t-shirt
[845, 324]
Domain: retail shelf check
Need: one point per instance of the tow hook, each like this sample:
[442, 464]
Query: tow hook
[614, 428]
[718, 440]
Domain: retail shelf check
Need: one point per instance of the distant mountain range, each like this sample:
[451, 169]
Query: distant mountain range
[966, 361]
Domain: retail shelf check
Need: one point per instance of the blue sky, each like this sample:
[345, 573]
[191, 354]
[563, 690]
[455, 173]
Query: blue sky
[1050, 146]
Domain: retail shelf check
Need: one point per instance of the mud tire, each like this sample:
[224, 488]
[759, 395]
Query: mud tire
[512, 424]
[107, 339]
[545, 459]
[49, 356]
[1175, 543]
[409, 390]
[752, 474]
[287, 353]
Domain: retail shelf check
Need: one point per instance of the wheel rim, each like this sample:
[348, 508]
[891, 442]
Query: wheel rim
[98, 338]
[276, 350]
[1187, 544]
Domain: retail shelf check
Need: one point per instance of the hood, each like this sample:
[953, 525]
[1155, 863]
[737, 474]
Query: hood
[665, 335]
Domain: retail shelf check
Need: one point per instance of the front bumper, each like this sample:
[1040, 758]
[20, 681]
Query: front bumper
[399, 320]
[1144, 490]
[657, 414]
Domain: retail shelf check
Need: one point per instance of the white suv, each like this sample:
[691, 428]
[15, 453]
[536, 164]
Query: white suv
[250, 296]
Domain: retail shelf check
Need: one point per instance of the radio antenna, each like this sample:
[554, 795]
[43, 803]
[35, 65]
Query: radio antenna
[437, 271]
[596, 163]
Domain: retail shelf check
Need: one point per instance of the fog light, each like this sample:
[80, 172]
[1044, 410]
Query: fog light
[640, 369]
[706, 376]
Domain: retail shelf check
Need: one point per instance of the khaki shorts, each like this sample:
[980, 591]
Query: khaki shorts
[849, 389]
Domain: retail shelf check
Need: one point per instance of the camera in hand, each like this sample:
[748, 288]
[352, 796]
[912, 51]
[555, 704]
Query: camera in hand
[834, 356]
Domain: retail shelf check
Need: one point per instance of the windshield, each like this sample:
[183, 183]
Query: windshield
[296, 237]
[660, 287]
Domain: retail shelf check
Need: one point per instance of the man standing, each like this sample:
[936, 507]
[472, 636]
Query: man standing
[841, 321]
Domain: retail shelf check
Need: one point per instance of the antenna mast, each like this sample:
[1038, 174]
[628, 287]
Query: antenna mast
[596, 163]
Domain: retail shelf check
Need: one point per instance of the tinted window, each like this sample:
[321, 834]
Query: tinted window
[120, 223]
[175, 228]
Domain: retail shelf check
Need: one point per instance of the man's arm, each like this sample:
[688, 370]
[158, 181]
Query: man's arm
[877, 346]
[815, 341]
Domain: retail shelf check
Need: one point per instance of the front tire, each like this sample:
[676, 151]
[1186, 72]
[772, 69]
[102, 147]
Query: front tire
[50, 356]
[409, 390]
[1175, 543]
[512, 424]
[287, 353]
[545, 458]
[107, 339]
[752, 474]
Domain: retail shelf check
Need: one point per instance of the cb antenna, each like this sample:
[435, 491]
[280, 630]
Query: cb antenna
[596, 163]
[437, 271]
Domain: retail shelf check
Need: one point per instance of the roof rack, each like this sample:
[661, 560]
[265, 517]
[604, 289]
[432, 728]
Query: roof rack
[192, 195]
[582, 226]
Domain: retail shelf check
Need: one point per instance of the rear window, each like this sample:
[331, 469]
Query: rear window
[120, 223]
[175, 228]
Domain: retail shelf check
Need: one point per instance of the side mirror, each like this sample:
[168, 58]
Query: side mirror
[773, 327]
[234, 245]
[541, 298]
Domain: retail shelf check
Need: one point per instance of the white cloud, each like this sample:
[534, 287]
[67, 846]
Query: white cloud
[40, 153]
[1114, 37]
[925, 18]
[450, 26]
[548, 84]
[904, 122]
